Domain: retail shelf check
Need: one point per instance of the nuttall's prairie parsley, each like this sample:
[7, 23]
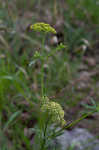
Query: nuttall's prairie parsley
[46, 28]
[54, 110]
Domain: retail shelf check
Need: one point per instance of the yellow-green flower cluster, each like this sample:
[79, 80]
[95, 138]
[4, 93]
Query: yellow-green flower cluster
[54, 110]
[37, 54]
[43, 27]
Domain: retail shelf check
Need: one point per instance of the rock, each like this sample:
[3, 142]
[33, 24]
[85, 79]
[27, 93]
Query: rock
[90, 61]
[78, 139]
[82, 67]
[83, 86]
[84, 76]
[83, 81]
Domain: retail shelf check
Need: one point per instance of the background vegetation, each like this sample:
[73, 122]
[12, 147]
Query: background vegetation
[72, 75]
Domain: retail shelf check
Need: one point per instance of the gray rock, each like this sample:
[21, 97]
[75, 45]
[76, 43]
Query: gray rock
[78, 139]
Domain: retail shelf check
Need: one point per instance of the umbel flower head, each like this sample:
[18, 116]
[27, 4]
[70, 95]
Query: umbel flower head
[43, 27]
[54, 110]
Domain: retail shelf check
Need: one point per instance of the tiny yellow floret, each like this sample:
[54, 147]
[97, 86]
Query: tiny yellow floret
[43, 27]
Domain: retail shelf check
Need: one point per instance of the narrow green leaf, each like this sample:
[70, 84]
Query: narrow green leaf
[11, 119]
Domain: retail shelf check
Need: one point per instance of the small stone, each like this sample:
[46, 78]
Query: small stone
[78, 139]
[90, 61]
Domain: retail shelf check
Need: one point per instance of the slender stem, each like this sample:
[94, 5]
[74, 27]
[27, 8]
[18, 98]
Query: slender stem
[74, 123]
[42, 78]
[39, 3]
[42, 70]
[9, 10]
[55, 8]
[79, 119]
[0, 121]
[54, 11]
[45, 129]
[44, 140]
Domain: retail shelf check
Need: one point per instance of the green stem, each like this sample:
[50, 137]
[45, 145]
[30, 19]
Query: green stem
[9, 11]
[42, 79]
[44, 133]
[44, 140]
[55, 8]
[42, 70]
[73, 123]
[79, 119]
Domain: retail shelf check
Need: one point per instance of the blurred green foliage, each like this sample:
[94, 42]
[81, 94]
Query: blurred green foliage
[20, 81]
